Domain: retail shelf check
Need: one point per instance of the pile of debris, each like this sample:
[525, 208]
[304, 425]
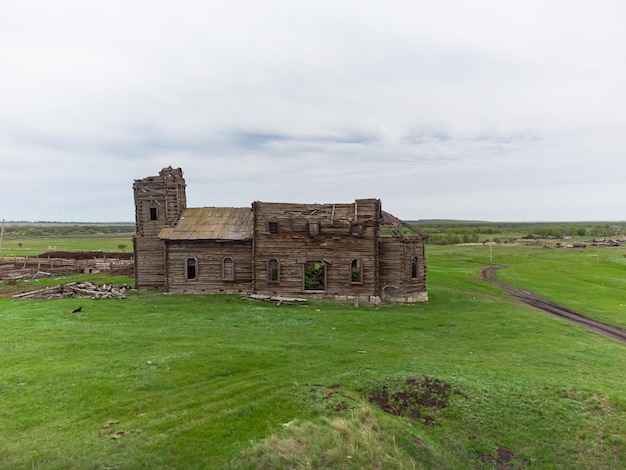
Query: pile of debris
[77, 290]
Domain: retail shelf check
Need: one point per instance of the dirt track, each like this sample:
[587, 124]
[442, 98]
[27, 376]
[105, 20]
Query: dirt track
[489, 274]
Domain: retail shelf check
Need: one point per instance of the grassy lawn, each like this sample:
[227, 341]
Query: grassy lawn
[164, 381]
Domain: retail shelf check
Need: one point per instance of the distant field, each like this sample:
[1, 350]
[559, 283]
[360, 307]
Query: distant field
[37, 245]
[479, 380]
[444, 232]
[32, 239]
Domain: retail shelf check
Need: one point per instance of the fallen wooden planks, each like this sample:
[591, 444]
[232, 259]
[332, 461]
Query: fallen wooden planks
[76, 290]
[278, 300]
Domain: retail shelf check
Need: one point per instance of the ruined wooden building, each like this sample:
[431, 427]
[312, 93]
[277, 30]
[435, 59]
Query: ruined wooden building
[337, 251]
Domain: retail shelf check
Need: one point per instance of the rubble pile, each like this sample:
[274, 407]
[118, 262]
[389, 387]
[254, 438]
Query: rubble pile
[77, 290]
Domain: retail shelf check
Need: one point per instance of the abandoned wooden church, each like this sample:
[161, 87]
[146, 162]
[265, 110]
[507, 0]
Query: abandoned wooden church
[336, 251]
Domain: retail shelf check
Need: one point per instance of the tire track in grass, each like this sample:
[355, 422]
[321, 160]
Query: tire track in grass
[529, 298]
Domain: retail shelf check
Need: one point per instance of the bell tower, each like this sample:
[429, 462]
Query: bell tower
[159, 202]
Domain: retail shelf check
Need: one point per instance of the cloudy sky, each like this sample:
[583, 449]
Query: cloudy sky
[471, 109]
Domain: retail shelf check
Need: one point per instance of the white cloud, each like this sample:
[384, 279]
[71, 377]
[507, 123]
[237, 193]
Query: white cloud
[435, 107]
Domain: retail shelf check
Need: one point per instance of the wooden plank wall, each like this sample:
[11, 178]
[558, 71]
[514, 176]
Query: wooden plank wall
[167, 194]
[415, 248]
[391, 264]
[386, 262]
[395, 267]
[335, 245]
[209, 255]
[149, 263]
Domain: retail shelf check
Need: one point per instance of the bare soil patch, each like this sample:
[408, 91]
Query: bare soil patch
[85, 255]
[504, 459]
[417, 398]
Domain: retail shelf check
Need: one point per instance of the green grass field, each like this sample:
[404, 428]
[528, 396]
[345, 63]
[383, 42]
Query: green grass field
[39, 245]
[165, 381]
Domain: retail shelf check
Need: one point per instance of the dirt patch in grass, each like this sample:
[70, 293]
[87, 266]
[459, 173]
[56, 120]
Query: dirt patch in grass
[504, 460]
[330, 397]
[417, 398]
[85, 255]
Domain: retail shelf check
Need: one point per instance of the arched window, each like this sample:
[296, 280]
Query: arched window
[356, 272]
[414, 268]
[228, 269]
[191, 265]
[273, 270]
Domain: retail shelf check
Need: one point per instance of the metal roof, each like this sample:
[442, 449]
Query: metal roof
[212, 223]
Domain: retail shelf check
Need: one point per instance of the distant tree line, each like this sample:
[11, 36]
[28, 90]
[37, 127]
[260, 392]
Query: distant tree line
[448, 233]
[66, 230]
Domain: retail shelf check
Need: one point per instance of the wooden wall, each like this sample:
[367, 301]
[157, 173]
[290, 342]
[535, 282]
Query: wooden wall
[335, 245]
[167, 194]
[386, 262]
[209, 255]
[396, 281]
[149, 263]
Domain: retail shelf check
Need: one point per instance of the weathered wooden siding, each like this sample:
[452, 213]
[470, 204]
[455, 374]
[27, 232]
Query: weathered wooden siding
[396, 279]
[163, 196]
[293, 234]
[149, 263]
[415, 248]
[335, 245]
[209, 255]
[391, 264]
[166, 193]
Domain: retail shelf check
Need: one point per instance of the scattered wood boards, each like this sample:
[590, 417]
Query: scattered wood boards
[77, 290]
[278, 300]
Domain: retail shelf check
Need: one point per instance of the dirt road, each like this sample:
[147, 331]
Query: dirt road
[489, 274]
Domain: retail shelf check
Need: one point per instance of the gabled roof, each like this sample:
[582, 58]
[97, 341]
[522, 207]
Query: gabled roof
[212, 223]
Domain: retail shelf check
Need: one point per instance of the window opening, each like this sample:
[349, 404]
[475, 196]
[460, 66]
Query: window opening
[191, 265]
[356, 229]
[272, 227]
[153, 213]
[273, 270]
[314, 229]
[228, 269]
[414, 269]
[356, 272]
[315, 276]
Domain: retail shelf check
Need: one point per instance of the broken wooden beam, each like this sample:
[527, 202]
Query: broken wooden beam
[276, 299]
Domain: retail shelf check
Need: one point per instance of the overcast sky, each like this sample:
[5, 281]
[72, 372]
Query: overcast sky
[499, 110]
